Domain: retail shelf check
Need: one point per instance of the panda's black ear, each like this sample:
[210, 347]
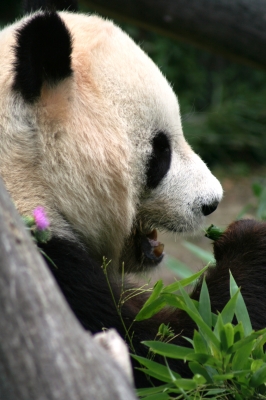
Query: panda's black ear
[42, 54]
[51, 5]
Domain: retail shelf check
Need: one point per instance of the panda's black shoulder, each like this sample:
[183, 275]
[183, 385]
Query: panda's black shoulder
[83, 282]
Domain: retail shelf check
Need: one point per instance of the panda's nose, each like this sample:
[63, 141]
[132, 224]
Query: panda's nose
[209, 208]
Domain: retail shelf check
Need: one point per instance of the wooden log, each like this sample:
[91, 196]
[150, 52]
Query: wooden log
[233, 28]
[44, 353]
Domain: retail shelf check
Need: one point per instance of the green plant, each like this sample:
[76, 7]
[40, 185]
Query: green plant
[227, 359]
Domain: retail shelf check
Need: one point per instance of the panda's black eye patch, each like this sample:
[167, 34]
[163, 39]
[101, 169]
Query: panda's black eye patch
[160, 160]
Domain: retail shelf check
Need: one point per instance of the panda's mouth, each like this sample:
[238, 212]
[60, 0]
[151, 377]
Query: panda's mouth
[142, 250]
[152, 249]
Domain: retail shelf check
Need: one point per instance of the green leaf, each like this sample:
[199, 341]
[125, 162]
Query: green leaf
[213, 392]
[199, 379]
[196, 368]
[258, 350]
[250, 338]
[241, 311]
[218, 326]
[157, 288]
[158, 304]
[176, 352]
[227, 336]
[239, 333]
[173, 287]
[199, 343]
[241, 357]
[203, 255]
[161, 370]
[158, 396]
[259, 377]
[169, 350]
[256, 364]
[151, 309]
[155, 375]
[205, 305]
[186, 384]
[153, 390]
[228, 311]
[189, 302]
[222, 377]
[154, 304]
[205, 330]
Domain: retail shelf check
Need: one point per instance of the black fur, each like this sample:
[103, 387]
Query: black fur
[50, 5]
[160, 160]
[42, 54]
[242, 249]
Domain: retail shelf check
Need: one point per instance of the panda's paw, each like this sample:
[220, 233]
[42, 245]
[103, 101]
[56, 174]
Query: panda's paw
[242, 247]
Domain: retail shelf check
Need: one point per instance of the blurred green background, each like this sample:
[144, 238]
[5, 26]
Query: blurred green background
[222, 103]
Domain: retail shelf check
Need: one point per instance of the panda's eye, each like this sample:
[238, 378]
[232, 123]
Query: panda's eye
[159, 161]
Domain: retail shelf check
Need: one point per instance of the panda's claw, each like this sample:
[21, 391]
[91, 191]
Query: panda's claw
[152, 235]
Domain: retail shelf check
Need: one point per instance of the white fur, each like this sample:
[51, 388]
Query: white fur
[81, 149]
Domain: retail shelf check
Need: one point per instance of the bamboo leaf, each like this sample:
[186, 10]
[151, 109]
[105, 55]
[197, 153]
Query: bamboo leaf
[176, 352]
[259, 377]
[173, 287]
[240, 359]
[241, 309]
[222, 377]
[228, 311]
[158, 396]
[151, 309]
[159, 369]
[199, 343]
[186, 384]
[239, 333]
[157, 288]
[169, 350]
[196, 368]
[153, 390]
[205, 305]
[155, 375]
[227, 336]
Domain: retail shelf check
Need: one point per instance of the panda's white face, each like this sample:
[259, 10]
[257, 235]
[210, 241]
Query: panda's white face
[98, 142]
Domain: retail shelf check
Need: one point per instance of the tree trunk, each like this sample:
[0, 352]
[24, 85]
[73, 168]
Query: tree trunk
[44, 352]
[233, 28]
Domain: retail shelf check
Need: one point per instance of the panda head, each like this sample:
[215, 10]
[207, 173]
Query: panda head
[91, 130]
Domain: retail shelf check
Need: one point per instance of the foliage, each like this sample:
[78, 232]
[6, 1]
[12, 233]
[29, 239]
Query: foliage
[222, 103]
[227, 360]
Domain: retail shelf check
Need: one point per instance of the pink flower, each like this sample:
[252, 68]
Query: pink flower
[40, 218]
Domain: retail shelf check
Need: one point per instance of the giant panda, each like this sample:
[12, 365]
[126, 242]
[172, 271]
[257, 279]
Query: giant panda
[91, 130]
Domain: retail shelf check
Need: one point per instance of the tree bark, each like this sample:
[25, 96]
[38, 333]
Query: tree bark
[233, 28]
[44, 352]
